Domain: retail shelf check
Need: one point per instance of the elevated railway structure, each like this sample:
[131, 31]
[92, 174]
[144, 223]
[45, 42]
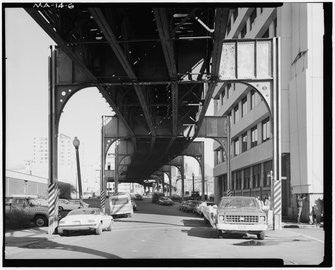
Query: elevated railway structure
[158, 66]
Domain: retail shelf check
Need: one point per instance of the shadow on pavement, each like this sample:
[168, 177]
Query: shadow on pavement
[44, 243]
[206, 231]
[147, 207]
[147, 222]
[195, 223]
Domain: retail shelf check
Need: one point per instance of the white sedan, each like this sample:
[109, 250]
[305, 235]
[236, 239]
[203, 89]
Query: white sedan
[84, 219]
[210, 213]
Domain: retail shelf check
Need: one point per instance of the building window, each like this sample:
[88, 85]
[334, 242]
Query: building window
[267, 170]
[254, 136]
[266, 130]
[244, 106]
[230, 118]
[225, 185]
[238, 180]
[236, 147]
[236, 116]
[252, 18]
[228, 27]
[235, 14]
[228, 89]
[266, 34]
[252, 99]
[246, 180]
[256, 173]
[223, 93]
[244, 31]
[244, 142]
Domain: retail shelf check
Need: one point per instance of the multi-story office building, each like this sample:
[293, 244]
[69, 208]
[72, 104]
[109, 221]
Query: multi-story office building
[66, 158]
[300, 27]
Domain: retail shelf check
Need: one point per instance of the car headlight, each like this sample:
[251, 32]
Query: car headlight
[221, 217]
[262, 218]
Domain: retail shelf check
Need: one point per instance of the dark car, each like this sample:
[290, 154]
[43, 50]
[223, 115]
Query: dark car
[138, 197]
[165, 201]
[134, 205]
[156, 196]
[191, 205]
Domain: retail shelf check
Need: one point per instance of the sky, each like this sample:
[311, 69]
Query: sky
[27, 51]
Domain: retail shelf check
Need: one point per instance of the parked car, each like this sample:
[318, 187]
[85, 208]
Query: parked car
[183, 205]
[176, 198]
[210, 213]
[120, 204]
[85, 219]
[156, 196]
[241, 214]
[190, 205]
[28, 208]
[138, 197]
[77, 201]
[66, 205]
[134, 205]
[200, 207]
[165, 201]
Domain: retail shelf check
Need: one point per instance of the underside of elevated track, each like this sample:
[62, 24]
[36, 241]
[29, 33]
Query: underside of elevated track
[156, 66]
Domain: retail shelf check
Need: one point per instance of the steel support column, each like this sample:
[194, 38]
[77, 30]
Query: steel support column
[53, 191]
[182, 178]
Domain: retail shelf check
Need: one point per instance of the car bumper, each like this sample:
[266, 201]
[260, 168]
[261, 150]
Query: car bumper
[241, 227]
[83, 227]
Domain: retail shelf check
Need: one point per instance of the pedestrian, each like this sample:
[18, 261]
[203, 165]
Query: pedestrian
[260, 202]
[267, 206]
[300, 203]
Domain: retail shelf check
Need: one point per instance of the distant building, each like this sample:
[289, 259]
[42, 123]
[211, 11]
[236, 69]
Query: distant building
[18, 183]
[66, 158]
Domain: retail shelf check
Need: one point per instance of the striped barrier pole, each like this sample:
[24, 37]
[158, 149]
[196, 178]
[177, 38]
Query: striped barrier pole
[53, 207]
[102, 198]
[228, 192]
[277, 204]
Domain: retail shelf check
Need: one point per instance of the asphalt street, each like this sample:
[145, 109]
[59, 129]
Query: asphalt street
[156, 231]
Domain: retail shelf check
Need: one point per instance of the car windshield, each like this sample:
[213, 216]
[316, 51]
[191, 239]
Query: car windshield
[238, 203]
[122, 200]
[86, 211]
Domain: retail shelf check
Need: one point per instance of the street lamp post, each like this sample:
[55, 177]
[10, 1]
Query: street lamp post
[76, 144]
[192, 184]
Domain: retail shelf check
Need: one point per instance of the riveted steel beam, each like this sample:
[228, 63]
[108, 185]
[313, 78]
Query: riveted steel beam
[62, 44]
[109, 35]
[220, 24]
[168, 50]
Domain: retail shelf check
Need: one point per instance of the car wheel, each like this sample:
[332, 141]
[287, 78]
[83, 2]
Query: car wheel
[40, 221]
[220, 234]
[261, 236]
[205, 220]
[99, 229]
[60, 208]
[66, 233]
[109, 228]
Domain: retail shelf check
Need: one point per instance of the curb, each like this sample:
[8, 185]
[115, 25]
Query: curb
[304, 226]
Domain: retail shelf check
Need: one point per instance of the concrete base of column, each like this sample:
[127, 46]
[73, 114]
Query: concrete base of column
[277, 222]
